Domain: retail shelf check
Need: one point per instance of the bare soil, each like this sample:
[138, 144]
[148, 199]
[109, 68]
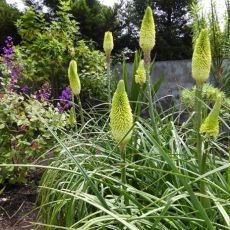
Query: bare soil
[18, 204]
[16, 207]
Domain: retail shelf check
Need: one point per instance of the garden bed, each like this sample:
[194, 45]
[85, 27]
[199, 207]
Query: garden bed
[16, 207]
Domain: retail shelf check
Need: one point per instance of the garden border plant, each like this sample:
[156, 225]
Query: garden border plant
[179, 179]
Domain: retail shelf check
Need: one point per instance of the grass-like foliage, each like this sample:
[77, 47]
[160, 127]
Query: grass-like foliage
[156, 173]
[162, 180]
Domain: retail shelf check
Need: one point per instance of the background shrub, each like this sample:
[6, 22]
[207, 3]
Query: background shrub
[48, 46]
[23, 137]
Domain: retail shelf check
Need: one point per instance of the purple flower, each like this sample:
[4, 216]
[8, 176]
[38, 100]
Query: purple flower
[25, 89]
[13, 68]
[8, 39]
[8, 50]
[44, 93]
[65, 102]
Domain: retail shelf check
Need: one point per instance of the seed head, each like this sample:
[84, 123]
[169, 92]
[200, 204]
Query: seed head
[74, 80]
[121, 118]
[210, 125]
[140, 76]
[147, 32]
[201, 59]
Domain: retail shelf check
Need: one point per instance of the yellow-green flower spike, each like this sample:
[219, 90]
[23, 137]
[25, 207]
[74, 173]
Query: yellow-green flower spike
[74, 80]
[201, 59]
[108, 43]
[140, 76]
[121, 118]
[147, 33]
[210, 126]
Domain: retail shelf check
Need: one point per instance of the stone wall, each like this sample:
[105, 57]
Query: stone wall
[177, 75]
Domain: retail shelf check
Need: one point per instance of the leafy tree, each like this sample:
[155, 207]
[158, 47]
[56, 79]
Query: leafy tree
[171, 17]
[94, 18]
[47, 47]
[8, 18]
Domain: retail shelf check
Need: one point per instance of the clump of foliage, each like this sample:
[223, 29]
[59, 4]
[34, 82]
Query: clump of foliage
[209, 94]
[92, 70]
[57, 42]
[156, 174]
[23, 138]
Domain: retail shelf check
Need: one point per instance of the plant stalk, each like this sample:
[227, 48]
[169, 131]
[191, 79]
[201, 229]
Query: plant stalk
[201, 156]
[108, 61]
[198, 124]
[123, 172]
[150, 98]
[138, 103]
[74, 110]
[81, 111]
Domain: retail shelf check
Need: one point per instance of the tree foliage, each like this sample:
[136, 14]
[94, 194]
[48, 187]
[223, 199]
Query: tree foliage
[8, 18]
[57, 41]
[94, 18]
[173, 36]
[50, 40]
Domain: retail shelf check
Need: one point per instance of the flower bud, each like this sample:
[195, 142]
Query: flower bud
[108, 43]
[210, 126]
[201, 59]
[121, 118]
[74, 80]
[147, 33]
[140, 76]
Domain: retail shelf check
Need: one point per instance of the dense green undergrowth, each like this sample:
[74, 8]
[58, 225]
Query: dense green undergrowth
[170, 175]
[162, 180]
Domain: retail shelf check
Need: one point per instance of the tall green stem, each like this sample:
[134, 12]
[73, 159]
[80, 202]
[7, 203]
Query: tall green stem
[138, 103]
[201, 156]
[74, 110]
[108, 78]
[81, 111]
[137, 113]
[198, 124]
[150, 98]
[202, 171]
[123, 172]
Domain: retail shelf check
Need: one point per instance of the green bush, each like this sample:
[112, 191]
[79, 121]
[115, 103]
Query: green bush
[92, 70]
[57, 41]
[23, 137]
